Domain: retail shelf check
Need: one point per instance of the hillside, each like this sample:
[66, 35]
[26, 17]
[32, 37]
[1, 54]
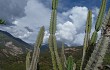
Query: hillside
[12, 52]
[12, 45]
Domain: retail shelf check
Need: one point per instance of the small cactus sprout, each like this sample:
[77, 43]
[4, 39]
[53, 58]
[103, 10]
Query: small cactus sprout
[70, 63]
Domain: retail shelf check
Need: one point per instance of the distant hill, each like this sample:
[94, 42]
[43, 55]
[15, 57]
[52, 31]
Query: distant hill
[9, 45]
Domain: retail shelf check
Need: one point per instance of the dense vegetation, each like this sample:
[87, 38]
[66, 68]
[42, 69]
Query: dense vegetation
[18, 63]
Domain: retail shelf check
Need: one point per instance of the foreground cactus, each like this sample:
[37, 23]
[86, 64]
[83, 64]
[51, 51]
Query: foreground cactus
[35, 57]
[92, 58]
[86, 39]
[104, 45]
[28, 61]
[94, 37]
[52, 39]
[70, 64]
[89, 44]
[63, 58]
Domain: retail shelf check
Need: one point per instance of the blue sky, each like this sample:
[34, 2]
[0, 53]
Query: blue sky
[25, 17]
[66, 5]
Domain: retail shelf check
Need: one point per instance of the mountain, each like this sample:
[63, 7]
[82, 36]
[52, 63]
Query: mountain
[9, 45]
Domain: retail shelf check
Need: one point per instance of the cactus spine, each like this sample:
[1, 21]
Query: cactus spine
[52, 39]
[86, 39]
[35, 57]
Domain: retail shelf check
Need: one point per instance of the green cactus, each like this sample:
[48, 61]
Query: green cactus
[105, 43]
[52, 39]
[70, 63]
[89, 44]
[92, 57]
[54, 62]
[35, 57]
[56, 53]
[86, 39]
[54, 4]
[53, 17]
[63, 58]
[28, 61]
[99, 21]
[94, 37]
[100, 16]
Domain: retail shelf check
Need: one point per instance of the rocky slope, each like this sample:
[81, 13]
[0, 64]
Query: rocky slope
[10, 45]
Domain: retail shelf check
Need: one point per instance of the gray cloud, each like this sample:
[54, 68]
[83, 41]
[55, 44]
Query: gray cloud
[12, 9]
[29, 29]
[70, 23]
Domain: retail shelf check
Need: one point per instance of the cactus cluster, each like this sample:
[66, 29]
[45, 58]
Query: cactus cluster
[93, 53]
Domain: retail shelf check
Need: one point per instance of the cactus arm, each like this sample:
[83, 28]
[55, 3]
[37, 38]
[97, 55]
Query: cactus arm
[99, 21]
[36, 52]
[100, 16]
[86, 39]
[28, 61]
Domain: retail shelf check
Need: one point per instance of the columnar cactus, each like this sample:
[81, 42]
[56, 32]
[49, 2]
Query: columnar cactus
[105, 43]
[98, 22]
[35, 57]
[52, 39]
[63, 58]
[28, 61]
[92, 56]
[94, 36]
[86, 40]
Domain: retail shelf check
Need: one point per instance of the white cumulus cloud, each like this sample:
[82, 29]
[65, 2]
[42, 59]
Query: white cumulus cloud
[70, 24]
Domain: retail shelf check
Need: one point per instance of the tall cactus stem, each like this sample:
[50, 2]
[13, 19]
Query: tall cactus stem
[86, 39]
[28, 61]
[35, 57]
